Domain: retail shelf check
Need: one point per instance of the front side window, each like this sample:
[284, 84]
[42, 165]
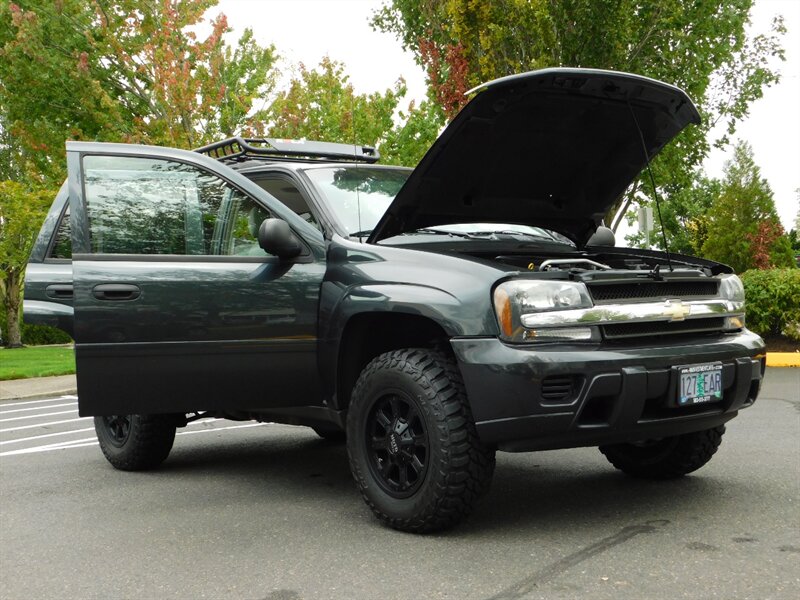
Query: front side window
[153, 206]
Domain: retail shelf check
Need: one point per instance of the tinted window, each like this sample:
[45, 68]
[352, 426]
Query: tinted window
[287, 192]
[62, 244]
[359, 196]
[152, 206]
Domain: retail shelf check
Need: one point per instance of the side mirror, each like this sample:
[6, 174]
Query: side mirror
[603, 236]
[276, 237]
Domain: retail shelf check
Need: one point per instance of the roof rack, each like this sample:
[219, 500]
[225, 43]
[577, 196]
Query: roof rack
[238, 149]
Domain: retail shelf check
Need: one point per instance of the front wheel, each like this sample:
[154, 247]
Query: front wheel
[413, 448]
[135, 442]
[665, 458]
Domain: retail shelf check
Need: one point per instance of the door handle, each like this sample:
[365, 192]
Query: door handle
[59, 291]
[116, 291]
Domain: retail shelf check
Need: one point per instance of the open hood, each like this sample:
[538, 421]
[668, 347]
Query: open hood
[552, 148]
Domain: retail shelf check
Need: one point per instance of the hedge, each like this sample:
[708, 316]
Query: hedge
[773, 301]
[34, 335]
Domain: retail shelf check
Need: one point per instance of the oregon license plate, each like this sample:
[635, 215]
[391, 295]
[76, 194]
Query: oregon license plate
[699, 383]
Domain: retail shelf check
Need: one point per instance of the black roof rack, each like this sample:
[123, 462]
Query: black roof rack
[238, 149]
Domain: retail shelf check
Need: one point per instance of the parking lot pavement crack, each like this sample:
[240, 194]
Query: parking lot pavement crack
[552, 571]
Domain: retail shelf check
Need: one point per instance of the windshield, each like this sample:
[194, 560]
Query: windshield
[360, 195]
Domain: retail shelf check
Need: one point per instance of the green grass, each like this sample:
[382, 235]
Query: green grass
[36, 361]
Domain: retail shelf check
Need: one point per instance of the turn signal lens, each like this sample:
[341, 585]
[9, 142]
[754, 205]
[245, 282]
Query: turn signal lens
[734, 323]
[502, 306]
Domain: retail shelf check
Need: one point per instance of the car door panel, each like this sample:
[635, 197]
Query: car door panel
[164, 333]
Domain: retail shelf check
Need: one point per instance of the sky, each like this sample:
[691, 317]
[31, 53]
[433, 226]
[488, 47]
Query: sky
[306, 30]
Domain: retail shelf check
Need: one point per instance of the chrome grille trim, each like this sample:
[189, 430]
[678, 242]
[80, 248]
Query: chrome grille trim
[665, 311]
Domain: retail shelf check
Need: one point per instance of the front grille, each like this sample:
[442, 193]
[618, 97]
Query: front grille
[636, 290]
[625, 330]
[557, 389]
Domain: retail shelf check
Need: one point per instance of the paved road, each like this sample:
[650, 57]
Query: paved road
[270, 512]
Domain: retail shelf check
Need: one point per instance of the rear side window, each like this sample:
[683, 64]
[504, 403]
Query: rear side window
[62, 244]
[154, 206]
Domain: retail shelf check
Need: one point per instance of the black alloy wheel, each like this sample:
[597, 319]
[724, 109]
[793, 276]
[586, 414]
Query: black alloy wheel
[136, 442]
[397, 444]
[119, 429]
[412, 443]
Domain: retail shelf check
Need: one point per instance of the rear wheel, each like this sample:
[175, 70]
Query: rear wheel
[414, 451]
[135, 442]
[665, 458]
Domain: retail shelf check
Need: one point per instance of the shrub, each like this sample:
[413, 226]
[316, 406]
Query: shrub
[773, 301]
[34, 335]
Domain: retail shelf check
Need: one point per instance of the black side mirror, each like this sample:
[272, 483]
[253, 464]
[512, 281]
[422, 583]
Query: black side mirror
[276, 237]
[603, 236]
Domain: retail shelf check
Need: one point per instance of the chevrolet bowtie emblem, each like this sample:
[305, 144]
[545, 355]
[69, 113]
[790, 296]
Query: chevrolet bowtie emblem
[676, 310]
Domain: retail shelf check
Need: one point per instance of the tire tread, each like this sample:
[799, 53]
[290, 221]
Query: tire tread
[468, 467]
[686, 453]
[149, 444]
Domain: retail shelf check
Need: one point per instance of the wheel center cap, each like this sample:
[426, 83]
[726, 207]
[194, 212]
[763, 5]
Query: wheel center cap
[394, 443]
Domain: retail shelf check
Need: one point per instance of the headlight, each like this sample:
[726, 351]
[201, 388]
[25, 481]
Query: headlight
[731, 288]
[518, 297]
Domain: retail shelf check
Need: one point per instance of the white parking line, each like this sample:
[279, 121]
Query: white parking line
[19, 410]
[93, 442]
[24, 402]
[53, 414]
[43, 424]
[45, 449]
[46, 435]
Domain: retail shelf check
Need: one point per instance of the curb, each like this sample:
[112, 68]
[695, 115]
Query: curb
[41, 395]
[783, 359]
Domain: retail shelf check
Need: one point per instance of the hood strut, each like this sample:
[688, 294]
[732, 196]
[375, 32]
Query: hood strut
[653, 182]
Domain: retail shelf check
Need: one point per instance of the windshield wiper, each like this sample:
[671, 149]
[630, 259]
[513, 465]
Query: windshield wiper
[512, 232]
[436, 231]
[360, 234]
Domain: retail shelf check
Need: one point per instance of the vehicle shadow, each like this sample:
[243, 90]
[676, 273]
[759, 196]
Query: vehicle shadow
[540, 491]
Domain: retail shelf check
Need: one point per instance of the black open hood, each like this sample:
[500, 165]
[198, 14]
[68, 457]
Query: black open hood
[552, 148]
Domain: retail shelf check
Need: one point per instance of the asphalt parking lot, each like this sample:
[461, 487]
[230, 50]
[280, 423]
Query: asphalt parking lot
[243, 510]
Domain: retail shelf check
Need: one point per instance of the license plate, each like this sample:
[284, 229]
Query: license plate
[699, 383]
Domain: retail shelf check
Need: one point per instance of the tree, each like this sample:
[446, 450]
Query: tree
[794, 233]
[743, 226]
[321, 104]
[409, 140]
[121, 71]
[105, 70]
[684, 216]
[700, 46]
[21, 212]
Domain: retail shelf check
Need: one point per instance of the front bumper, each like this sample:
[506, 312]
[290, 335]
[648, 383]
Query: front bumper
[614, 393]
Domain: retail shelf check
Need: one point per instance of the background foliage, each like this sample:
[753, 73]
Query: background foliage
[126, 71]
[772, 302]
[701, 46]
[22, 210]
[142, 71]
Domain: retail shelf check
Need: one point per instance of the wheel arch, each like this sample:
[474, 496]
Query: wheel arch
[369, 334]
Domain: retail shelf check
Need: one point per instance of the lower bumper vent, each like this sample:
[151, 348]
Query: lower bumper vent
[558, 388]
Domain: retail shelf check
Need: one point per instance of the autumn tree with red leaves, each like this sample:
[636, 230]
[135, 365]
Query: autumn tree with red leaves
[125, 71]
[704, 47]
[743, 229]
[114, 71]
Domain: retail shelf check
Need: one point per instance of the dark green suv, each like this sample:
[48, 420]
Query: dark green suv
[430, 316]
